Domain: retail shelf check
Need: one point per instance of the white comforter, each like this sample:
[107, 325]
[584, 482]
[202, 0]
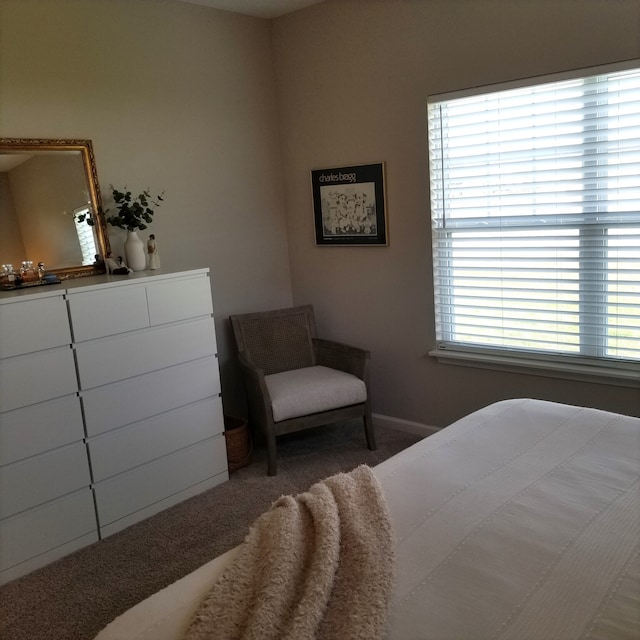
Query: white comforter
[520, 521]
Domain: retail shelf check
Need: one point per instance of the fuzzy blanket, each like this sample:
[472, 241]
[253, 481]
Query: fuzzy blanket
[318, 566]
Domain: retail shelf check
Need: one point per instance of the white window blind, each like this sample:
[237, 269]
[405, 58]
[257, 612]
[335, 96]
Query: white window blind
[85, 236]
[535, 201]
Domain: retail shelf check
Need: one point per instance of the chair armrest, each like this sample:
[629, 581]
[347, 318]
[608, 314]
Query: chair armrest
[343, 357]
[259, 401]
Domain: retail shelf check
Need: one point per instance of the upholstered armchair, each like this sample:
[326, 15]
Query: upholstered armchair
[296, 381]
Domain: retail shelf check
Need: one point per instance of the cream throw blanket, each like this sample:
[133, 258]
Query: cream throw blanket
[319, 566]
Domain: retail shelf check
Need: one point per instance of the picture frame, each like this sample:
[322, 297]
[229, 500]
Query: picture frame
[349, 205]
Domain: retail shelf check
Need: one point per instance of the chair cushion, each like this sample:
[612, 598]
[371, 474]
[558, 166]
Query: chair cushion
[301, 392]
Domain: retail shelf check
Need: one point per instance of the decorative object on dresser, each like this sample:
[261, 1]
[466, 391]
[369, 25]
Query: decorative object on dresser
[296, 381]
[41, 179]
[123, 373]
[134, 250]
[152, 250]
[27, 276]
[133, 215]
[117, 267]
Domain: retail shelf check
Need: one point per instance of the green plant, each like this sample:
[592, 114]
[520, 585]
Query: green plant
[133, 213]
[83, 217]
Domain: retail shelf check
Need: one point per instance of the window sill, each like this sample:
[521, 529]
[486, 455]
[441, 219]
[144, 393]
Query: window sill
[545, 368]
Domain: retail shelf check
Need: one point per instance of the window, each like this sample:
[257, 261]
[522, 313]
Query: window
[85, 236]
[535, 202]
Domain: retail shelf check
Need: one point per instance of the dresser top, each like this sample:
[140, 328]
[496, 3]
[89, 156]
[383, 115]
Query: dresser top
[76, 285]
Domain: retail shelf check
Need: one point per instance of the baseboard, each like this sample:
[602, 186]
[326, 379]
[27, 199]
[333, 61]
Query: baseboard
[399, 424]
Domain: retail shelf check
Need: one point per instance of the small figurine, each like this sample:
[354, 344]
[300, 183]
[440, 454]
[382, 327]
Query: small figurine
[152, 250]
[111, 263]
[117, 268]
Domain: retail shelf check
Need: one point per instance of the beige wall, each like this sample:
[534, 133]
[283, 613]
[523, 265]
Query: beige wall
[182, 97]
[174, 96]
[352, 83]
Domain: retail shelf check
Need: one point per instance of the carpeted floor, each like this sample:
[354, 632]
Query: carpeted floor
[75, 597]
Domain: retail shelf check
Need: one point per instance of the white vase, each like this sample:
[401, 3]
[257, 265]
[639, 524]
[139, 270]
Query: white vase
[134, 251]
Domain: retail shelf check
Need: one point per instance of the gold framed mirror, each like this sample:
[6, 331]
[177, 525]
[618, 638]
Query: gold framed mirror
[51, 206]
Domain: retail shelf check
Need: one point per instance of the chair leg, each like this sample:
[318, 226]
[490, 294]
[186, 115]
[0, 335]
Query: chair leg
[272, 465]
[368, 431]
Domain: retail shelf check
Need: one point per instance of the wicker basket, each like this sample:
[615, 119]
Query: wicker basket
[238, 439]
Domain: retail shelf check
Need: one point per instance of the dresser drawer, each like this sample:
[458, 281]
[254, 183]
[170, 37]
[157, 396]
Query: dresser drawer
[179, 299]
[142, 442]
[120, 403]
[36, 480]
[135, 490]
[32, 325]
[39, 427]
[95, 314]
[37, 377]
[40, 530]
[132, 354]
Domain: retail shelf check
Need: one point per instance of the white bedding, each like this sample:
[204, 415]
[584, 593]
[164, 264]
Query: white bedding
[520, 521]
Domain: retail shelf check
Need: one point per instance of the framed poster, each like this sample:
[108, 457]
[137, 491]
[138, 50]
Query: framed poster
[349, 205]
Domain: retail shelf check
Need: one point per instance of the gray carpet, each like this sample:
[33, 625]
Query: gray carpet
[75, 597]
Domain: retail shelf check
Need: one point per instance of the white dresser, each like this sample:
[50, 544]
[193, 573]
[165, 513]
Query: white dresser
[110, 409]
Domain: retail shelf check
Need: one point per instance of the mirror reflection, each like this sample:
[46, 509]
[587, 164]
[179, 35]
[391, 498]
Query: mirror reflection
[48, 191]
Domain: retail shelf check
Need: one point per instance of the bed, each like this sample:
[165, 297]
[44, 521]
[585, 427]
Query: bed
[520, 521]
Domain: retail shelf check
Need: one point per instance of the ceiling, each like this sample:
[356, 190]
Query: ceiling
[257, 8]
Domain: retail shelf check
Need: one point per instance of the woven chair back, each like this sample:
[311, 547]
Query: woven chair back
[278, 340]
